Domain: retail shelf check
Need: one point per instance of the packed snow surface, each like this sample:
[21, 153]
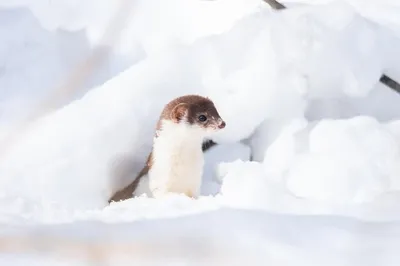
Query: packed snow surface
[307, 171]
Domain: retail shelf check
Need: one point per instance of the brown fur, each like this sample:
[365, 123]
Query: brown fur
[192, 105]
[127, 191]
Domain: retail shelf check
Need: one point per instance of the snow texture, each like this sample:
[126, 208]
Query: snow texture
[308, 167]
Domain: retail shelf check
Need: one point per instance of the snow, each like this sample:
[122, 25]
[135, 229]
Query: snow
[307, 170]
[336, 166]
[226, 236]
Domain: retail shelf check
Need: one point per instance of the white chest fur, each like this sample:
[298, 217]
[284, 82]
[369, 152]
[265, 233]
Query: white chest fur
[177, 161]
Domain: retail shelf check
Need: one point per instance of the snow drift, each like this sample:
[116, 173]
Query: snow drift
[267, 66]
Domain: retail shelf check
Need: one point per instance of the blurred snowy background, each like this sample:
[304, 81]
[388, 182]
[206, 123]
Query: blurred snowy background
[82, 84]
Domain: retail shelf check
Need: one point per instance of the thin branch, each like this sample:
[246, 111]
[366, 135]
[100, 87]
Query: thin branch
[390, 83]
[275, 4]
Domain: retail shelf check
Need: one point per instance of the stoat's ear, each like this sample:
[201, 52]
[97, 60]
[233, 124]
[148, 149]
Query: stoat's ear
[179, 112]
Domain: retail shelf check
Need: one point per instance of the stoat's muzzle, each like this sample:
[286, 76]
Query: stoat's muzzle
[213, 123]
[221, 123]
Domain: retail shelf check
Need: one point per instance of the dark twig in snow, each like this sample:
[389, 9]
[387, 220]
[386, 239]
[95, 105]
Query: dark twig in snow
[390, 83]
[275, 4]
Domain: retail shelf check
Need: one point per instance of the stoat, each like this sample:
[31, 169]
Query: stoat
[175, 164]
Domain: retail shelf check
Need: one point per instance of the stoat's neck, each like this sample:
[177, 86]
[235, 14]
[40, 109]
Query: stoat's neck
[172, 134]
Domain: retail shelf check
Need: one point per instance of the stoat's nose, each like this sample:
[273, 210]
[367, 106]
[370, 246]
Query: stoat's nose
[221, 124]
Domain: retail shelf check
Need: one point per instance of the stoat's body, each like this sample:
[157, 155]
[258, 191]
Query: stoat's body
[176, 162]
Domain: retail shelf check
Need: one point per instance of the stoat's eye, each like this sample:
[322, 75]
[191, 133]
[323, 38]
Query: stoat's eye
[202, 118]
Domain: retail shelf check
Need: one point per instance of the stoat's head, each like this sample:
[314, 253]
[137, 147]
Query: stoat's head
[195, 112]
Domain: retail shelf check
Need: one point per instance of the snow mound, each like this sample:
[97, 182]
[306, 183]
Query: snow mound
[331, 164]
[347, 161]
